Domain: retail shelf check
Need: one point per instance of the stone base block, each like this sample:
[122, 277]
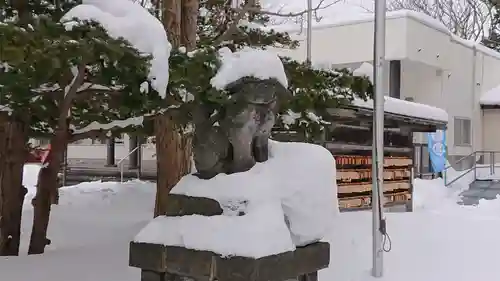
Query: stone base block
[183, 205]
[167, 263]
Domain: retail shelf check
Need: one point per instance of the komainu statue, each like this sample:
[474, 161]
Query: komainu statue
[240, 138]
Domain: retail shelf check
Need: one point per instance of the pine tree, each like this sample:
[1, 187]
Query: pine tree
[58, 80]
[220, 25]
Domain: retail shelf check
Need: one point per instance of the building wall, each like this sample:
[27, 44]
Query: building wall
[349, 42]
[437, 68]
[86, 149]
[491, 118]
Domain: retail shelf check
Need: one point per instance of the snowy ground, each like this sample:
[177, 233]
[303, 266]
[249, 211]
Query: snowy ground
[92, 226]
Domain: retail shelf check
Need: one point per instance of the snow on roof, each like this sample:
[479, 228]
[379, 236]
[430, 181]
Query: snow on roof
[128, 19]
[366, 69]
[407, 108]
[355, 18]
[398, 106]
[248, 62]
[491, 97]
[296, 184]
[361, 14]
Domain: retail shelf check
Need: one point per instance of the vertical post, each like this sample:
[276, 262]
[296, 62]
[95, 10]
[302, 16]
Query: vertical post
[65, 167]
[409, 204]
[309, 32]
[110, 152]
[492, 163]
[446, 167]
[378, 140]
[132, 146]
[474, 165]
[140, 141]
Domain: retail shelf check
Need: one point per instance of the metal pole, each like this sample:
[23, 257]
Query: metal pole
[378, 140]
[309, 32]
[133, 160]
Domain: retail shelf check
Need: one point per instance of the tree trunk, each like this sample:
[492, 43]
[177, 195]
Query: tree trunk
[189, 18]
[13, 153]
[173, 150]
[171, 17]
[47, 188]
[173, 154]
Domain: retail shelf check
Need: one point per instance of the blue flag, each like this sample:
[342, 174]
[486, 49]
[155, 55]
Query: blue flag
[437, 150]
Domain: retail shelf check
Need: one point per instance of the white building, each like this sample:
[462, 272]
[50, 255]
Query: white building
[426, 64]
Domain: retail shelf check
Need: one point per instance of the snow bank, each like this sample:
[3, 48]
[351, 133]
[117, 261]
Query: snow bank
[434, 243]
[128, 19]
[248, 62]
[433, 194]
[296, 183]
[407, 108]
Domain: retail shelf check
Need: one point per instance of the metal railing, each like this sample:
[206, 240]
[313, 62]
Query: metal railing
[121, 162]
[481, 160]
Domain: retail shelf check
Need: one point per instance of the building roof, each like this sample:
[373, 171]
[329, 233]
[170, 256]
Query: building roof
[407, 108]
[490, 97]
[353, 18]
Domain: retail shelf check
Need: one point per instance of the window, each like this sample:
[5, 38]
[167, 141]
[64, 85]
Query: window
[119, 139]
[462, 136]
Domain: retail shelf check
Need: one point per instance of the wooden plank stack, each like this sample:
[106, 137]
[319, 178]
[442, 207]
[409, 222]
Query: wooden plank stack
[354, 181]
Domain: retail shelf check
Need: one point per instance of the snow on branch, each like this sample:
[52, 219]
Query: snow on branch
[97, 130]
[128, 20]
[96, 126]
[248, 62]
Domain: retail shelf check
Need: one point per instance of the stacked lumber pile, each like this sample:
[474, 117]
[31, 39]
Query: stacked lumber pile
[354, 181]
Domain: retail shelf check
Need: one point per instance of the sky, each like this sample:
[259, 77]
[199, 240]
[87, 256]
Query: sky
[340, 10]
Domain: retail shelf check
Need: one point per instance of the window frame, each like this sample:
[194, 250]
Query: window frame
[462, 140]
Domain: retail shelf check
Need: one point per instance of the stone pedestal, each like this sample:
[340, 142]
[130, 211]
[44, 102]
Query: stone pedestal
[169, 263]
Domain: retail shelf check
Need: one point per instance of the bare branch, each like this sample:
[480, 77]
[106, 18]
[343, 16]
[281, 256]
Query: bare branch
[71, 91]
[233, 28]
[468, 19]
[251, 9]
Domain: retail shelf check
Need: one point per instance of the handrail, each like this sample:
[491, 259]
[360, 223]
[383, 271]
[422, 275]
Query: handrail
[462, 175]
[461, 159]
[458, 162]
[121, 162]
[474, 165]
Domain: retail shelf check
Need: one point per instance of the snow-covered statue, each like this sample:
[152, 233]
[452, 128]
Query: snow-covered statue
[256, 220]
[240, 139]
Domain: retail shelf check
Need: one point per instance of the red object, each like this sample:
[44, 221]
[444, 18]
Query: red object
[38, 155]
[44, 154]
